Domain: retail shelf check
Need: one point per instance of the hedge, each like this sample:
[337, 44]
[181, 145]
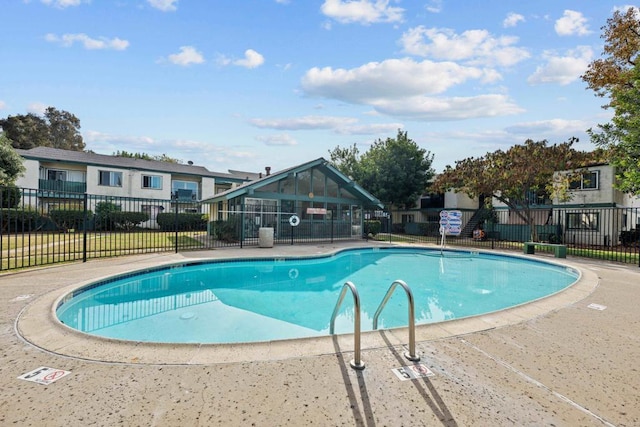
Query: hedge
[183, 221]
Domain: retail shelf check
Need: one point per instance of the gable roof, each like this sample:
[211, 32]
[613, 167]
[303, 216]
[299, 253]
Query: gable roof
[327, 168]
[87, 158]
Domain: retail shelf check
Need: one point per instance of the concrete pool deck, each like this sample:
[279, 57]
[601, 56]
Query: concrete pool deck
[557, 361]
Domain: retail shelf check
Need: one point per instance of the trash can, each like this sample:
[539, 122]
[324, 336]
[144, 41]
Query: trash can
[265, 237]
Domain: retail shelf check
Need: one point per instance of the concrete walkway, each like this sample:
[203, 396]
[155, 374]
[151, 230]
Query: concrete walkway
[554, 362]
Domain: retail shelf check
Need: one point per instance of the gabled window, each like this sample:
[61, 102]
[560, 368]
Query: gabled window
[110, 178]
[587, 181]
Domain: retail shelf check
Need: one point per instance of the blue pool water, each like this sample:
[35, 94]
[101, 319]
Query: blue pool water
[269, 299]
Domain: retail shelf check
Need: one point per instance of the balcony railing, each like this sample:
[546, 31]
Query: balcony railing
[63, 186]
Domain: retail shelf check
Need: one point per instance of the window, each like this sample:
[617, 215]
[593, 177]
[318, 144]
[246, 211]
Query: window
[184, 190]
[583, 221]
[407, 218]
[56, 175]
[152, 181]
[110, 179]
[586, 181]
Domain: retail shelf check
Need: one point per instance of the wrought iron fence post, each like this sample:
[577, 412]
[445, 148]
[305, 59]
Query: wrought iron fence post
[84, 228]
[175, 225]
[332, 219]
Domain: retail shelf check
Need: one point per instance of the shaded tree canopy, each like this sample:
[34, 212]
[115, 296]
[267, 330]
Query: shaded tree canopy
[11, 166]
[620, 55]
[396, 170]
[617, 76]
[517, 177]
[56, 129]
[145, 156]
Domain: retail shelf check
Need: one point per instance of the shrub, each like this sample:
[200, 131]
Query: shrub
[127, 220]
[372, 227]
[103, 215]
[630, 238]
[182, 222]
[18, 220]
[226, 230]
[10, 197]
[67, 219]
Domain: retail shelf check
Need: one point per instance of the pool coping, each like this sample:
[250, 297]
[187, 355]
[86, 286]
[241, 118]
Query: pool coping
[37, 325]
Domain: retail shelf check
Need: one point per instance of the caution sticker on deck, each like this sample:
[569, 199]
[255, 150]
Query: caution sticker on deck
[412, 372]
[44, 375]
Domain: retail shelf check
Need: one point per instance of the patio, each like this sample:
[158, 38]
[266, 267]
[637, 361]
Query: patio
[554, 362]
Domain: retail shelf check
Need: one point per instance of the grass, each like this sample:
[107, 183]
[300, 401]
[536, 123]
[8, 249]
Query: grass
[18, 251]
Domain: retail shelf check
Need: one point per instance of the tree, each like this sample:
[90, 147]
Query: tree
[64, 130]
[396, 171]
[620, 55]
[10, 162]
[26, 131]
[617, 75]
[145, 156]
[57, 129]
[516, 177]
[346, 159]
[621, 137]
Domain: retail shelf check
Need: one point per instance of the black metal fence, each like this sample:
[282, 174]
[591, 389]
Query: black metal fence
[607, 233]
[41, 226]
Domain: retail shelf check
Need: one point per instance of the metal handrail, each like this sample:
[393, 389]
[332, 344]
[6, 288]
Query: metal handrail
[356, 363]
[411, 354]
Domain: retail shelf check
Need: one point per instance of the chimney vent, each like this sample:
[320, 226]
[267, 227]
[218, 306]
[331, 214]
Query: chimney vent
[268, 170]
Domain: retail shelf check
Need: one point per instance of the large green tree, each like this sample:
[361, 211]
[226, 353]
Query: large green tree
[57, 129]
[517, 177]
[617, 76]
[26, 131]
[11, 166]
[396, 170]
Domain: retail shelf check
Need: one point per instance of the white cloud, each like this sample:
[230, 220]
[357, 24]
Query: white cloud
[361, 11]
[512, 20]
[551, 127]
[3, 105]
[369, 129]
[63, 3]
[164, 5]
[392, 78]
[132, 142]
[453, 108]
[562, 70]
[303, 123]
[188, 55]
[572, 23]
[67, 40]
[434, 6]
[278, 140]
[340, 125]
[37, 108]
[252, 59]
[472, 46]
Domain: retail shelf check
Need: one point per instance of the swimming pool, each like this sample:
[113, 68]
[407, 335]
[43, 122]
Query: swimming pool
[264, 299]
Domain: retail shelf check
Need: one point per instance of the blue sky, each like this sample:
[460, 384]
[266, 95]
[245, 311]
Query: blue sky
[244, 84]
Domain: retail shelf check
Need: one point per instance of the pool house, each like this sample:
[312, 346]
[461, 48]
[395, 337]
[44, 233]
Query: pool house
[310, 202]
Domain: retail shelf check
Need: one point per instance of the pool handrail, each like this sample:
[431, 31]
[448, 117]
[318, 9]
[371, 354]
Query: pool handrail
[411, 354]
[356, 363]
